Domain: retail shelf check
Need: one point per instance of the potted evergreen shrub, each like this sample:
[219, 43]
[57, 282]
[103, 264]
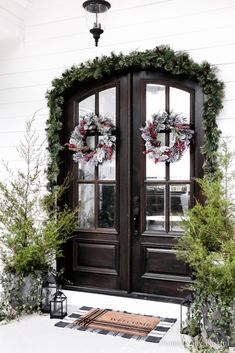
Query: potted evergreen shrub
[208, 246]
[32, 229]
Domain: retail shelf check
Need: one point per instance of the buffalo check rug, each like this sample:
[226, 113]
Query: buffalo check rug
[118, 323]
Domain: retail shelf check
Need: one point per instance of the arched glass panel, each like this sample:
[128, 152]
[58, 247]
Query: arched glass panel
[165, 193]
[97, 200]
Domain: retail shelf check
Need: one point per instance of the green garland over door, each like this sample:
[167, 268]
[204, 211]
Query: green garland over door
[160, 58]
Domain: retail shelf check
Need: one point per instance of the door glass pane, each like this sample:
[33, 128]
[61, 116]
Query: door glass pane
[155, 207]
[180, 102]
[155, 99]
[107, 170]
[86, 205]
[107, 103]
[87, 106]
[86, 170]
[180, 170]
[107, 196]
[179, 204]
[156, 170]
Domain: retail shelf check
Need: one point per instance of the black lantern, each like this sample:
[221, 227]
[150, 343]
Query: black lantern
[49, 288]
[58, 305]
[185, 313]
[96, 13]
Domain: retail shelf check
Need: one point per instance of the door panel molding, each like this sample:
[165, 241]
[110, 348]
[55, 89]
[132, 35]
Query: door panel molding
[157, 261]
[96, 257]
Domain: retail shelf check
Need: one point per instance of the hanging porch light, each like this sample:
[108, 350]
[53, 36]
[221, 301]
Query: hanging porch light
[96, 15]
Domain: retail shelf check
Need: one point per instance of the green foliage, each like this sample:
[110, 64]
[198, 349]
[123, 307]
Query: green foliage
[32, 227]
[21, 295]
[160, 58]
[208, 246]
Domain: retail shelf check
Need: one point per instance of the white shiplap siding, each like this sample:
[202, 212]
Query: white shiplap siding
[55, 37]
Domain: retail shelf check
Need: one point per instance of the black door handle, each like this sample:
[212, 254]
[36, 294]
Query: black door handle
[136, 223]
[136, 214]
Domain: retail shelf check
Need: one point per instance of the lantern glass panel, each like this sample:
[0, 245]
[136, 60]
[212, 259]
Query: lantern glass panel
[185, 313]
[48, 290]
[96, 20]
[47, 295]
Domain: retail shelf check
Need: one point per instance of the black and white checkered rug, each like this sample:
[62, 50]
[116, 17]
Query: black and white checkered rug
[154, 336]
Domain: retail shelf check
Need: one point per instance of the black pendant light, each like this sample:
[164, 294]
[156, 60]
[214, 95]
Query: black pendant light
[96, 11]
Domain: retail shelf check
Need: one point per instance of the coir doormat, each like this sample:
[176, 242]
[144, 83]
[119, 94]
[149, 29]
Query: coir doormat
[118, 323]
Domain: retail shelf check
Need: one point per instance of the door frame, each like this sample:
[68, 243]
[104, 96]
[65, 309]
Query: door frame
[126, 90]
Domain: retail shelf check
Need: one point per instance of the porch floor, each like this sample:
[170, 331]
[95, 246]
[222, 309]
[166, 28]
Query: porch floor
[37, 333]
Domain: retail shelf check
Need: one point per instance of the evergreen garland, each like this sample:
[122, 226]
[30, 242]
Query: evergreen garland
[160, 58]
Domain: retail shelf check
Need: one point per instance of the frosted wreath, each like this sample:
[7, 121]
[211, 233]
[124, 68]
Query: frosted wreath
[106, 145]
[181, 134]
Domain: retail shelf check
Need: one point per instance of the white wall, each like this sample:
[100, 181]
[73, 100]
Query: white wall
[39, 39]
[55, 37]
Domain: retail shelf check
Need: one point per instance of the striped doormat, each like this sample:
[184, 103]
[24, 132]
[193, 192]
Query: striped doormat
[118, 323]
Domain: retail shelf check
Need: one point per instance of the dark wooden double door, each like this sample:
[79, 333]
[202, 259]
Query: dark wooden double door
[130, 208]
